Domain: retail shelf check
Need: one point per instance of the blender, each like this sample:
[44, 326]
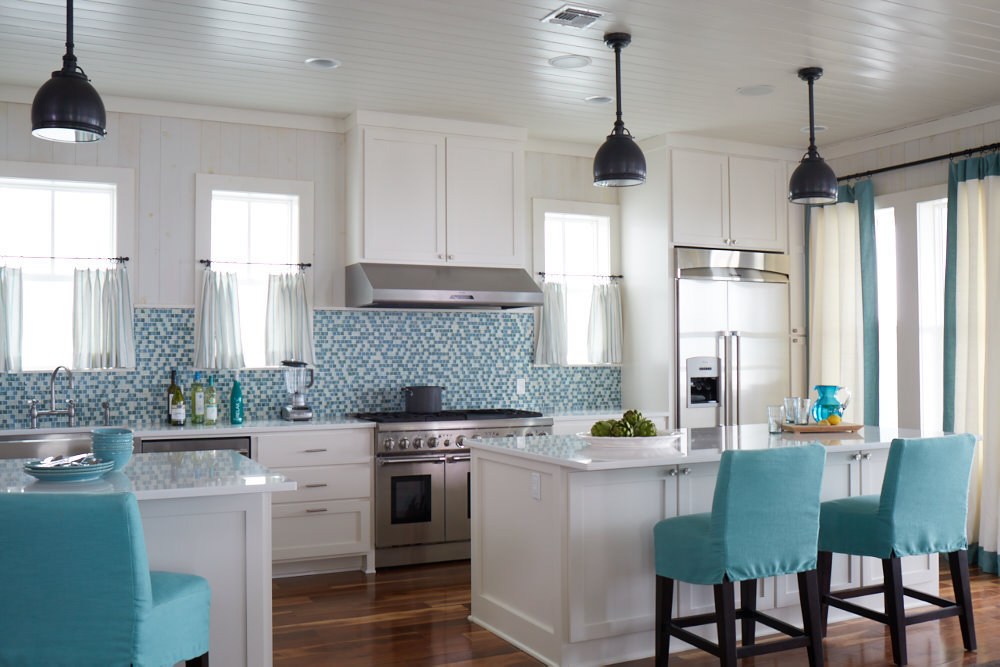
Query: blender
[298, 378]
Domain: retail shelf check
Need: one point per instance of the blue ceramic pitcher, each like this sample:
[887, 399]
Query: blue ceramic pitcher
[828, 404]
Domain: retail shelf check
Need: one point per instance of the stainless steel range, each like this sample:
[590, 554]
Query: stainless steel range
[422, 511]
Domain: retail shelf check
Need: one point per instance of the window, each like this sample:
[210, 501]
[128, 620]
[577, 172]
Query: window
[253, 227]
[47, 224]
[578, 241]
[910, 230]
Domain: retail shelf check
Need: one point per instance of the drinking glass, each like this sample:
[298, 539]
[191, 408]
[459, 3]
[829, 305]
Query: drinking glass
[775, 415]
[802, 410]
[791, 405]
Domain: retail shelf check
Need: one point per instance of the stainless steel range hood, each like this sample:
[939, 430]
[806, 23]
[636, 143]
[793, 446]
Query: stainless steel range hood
[418, 286]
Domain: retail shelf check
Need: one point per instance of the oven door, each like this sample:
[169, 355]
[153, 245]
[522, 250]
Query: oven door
[409, 500]
[458, 498]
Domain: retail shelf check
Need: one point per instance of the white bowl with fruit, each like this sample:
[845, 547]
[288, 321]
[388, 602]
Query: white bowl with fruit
[632, 431]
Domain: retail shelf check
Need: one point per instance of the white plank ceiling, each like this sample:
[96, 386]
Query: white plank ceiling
[889, 63]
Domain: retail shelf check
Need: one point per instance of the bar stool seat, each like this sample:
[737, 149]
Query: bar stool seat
[764, 522]
[921, 510]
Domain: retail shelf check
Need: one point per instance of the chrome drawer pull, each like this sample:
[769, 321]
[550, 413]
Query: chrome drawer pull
[315, 509]
[460, 458]
[315, 451]
[411, 459]
[315, 486]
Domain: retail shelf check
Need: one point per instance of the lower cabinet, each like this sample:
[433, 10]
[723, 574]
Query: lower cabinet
[329, 515]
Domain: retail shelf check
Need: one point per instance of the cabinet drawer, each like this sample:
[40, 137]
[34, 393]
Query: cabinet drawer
[351, 480]
[320, 529]
[289, 450]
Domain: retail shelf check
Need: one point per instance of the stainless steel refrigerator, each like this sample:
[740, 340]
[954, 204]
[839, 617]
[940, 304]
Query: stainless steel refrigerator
[732, 336]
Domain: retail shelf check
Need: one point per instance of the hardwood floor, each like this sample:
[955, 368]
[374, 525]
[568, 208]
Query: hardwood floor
[417, 616]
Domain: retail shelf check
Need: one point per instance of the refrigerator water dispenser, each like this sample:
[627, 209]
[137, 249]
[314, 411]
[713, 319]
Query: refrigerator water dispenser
[703, 388]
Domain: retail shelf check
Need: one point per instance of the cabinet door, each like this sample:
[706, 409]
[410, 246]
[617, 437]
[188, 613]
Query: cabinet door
[757, 209]
[404, 196]
[320, 529]
[700, 198]
[484, 210]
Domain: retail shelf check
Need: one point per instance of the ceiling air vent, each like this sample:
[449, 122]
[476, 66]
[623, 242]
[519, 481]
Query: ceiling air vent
[574, 17]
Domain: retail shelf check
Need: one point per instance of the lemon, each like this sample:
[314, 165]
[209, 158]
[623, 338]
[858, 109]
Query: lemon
[825, 422]
[834, 420]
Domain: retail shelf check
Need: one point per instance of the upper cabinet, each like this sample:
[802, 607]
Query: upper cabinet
[728, 201]
[426, 195]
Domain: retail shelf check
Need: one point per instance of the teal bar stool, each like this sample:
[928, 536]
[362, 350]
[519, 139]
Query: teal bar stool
[921, 510]
[75, 587]
[764, 522]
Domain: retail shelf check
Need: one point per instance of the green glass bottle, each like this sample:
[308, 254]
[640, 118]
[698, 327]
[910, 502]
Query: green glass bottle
[197, 400]
[176, 410]
[211, 402]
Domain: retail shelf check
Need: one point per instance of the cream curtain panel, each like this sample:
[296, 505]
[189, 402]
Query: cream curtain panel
[604, 335]
[288, 321]
[551, 347]
[103, 327]
[836, 343]
[10, 319]
[217, 342]
[972, 348]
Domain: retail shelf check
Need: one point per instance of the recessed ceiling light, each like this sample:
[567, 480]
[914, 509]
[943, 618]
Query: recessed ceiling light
[598, 99]
[322, 63]
[754, 91]
[569, 62]
[817, 128]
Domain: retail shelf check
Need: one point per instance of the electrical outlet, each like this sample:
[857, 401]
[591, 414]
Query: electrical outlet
[522, 386]
[536, 486]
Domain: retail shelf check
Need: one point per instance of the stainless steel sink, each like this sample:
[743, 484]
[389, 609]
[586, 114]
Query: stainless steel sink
[40, 445]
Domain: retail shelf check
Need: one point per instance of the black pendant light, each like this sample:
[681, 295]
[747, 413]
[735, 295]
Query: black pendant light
[67, 108]
[813, 181]
[619, 162]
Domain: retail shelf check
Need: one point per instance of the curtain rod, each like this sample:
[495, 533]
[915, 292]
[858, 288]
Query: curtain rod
[89, 259]
[581, 275]
[301, 265]
[914, 163]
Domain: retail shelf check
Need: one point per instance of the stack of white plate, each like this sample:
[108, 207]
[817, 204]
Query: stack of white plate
[76, 471]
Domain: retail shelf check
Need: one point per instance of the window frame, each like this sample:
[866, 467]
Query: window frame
[205, 184]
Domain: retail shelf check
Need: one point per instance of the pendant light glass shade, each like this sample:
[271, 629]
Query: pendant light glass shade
[619, 162]
[67, 108]
[813, 181]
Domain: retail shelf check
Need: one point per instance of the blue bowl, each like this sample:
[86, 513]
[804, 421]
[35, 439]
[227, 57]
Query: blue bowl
[120, 455]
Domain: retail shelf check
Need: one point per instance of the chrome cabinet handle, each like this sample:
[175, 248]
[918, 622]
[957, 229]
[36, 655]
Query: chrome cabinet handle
[460, 458]
[410, 459]
[685, 471]
[315, 486]
[313, 510]
[672, 473]
[857, 457]
[314, 451]
[440, 256]
[451, 257]
[868, 456]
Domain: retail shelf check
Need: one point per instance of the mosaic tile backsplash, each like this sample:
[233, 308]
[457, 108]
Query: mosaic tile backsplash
[364, 357]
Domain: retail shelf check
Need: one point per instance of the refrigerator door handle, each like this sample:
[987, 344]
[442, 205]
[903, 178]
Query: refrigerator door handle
[724, 417]
[737, 364]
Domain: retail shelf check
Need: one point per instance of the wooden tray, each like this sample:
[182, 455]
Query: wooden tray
[842, 427]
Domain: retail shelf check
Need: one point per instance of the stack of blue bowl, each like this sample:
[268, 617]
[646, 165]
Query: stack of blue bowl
[112, 444]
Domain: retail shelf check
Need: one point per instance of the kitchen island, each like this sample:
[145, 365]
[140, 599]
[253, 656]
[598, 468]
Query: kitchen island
[562, 535]
[206, 513]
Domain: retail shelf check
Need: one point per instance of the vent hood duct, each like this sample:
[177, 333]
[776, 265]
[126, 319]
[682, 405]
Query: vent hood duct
[418, 286]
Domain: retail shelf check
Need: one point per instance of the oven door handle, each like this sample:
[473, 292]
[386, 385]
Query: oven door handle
[460, 457]
[410, 459]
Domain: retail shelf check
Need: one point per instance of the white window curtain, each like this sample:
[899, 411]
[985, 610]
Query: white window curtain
[551, 347]
[604, 335]
[836, 344]
[288, 321]
[217, 342]
[103, 329]
[10, 319]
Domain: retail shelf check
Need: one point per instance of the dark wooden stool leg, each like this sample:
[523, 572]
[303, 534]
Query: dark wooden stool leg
[809, 602]
[748, 602]
[824, 567]
[664, 608]
[725, 611]
[893, 574]
[958, 563]
[200, 661]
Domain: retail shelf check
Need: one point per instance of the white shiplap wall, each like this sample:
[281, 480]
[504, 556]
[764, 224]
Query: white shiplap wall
[166, 153]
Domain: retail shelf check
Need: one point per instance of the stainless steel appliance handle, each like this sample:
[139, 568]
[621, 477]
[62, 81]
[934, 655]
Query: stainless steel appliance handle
[410, 459]
[724, 379]
[460, 457]
[737, 365]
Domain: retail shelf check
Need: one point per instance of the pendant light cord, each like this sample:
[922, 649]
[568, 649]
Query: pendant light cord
[69, 58]
[813, 152]
[619, 123]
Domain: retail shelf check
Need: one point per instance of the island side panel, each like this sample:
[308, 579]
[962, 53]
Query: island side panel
[518, 551]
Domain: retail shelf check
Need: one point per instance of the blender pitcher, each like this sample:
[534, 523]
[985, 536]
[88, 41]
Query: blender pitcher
[827, 403]
[298, 378]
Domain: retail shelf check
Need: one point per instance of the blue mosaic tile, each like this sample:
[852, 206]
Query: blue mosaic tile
[363, 359]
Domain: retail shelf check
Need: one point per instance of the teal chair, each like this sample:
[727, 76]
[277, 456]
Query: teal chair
[921, 510]
[764, 522]
[75, 587]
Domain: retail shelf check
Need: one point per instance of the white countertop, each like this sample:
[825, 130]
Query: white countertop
[248, 427]
[161, 475]
[693, 446]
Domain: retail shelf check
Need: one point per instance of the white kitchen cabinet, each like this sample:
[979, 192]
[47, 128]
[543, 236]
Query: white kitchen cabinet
[329, 514]
[430, 196]
[728, 201]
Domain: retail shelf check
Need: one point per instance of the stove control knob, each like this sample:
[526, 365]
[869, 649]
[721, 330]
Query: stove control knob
[447, 443]
[432, 442]
[418, 443]
[460, 441]
[404, 443]
[388, 444]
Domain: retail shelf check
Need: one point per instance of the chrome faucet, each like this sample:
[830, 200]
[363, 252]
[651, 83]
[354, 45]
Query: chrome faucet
[69, 410]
